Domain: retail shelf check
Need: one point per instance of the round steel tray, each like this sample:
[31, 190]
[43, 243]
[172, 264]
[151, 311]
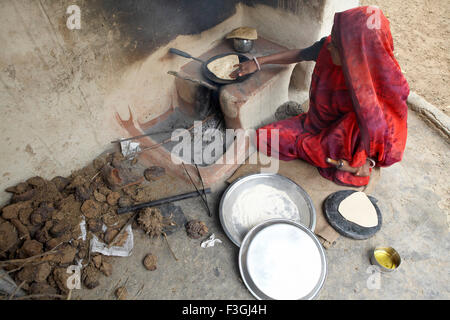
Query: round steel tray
[286, 196]
[282, 260]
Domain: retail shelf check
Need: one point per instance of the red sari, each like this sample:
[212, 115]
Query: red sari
[357, 110]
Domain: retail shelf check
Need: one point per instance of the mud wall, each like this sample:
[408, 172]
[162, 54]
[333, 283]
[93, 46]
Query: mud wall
[61, 90]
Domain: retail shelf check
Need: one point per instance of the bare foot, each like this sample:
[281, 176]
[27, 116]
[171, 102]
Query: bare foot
[343, 165]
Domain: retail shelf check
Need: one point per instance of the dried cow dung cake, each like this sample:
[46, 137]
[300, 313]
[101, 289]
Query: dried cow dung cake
[8, 236]
[150, 261]
[196, 229]
[44, 215]
[154, 173]
[112, 198]
[90, 277]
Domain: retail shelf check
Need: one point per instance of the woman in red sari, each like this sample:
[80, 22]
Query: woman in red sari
[357, 115]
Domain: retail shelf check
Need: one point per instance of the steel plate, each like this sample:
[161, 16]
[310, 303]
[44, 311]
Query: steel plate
[282, 260]
[259, 197]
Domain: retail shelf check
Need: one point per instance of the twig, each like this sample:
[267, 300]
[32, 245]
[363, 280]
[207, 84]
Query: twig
[69, 296]
[21, 238]
[173, 254]
[203, 189]
[17, 269]
[10, 271]
[198, 191]
[139, 137]
[95, 176]
[139, 292]
[32, 296]
[26, 260]
[16, 290]
[122, 230]
[157, 145]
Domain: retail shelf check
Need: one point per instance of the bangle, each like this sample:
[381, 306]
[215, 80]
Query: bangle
[372, 162]
[257, 63]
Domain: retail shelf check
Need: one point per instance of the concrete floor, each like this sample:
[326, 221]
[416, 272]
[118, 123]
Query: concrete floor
[413, 197]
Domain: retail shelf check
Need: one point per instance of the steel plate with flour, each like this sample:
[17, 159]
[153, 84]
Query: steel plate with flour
[256, 198]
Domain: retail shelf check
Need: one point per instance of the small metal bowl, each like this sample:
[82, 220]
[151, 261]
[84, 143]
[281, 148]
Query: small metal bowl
[386, 258]
[242, 45]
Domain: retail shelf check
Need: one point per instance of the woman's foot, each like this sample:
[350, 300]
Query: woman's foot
[343, 165]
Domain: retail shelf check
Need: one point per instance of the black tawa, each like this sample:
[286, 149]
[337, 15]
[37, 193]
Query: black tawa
[208, 74]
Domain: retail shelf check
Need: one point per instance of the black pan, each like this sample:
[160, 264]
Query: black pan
[208, 74]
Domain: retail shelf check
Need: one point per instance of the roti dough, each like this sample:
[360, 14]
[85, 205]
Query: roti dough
[222, 67]
[358, 209]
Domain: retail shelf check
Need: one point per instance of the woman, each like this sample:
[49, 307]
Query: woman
[357, 115]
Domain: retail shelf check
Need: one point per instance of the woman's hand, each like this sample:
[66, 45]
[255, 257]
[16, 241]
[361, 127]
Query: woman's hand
[244, 69]
[284, 57]
[343, 165]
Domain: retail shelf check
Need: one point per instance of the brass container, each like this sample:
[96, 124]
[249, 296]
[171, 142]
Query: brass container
[386, 258]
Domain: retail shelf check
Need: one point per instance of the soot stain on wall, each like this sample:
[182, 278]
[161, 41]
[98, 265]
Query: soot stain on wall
[145, 25]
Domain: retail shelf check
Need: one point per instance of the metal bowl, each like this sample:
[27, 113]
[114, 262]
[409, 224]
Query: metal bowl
[386, 258]
[253, 199]
[242, 45]
[282, 260]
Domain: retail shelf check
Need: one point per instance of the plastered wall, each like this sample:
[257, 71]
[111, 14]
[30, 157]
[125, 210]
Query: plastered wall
[60, 89]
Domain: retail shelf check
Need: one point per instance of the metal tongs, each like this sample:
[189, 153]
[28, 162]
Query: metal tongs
[201, 194]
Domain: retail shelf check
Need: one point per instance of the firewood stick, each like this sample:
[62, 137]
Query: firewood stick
[26, 260]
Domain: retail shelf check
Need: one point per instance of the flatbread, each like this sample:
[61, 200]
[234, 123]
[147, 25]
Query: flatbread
[243, 33]
[358, 209]
[223, 67]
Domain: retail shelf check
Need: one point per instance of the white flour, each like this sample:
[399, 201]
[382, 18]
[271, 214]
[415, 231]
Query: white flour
[262, 203]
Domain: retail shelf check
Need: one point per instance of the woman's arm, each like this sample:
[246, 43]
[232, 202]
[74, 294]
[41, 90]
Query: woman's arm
[284, 57]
